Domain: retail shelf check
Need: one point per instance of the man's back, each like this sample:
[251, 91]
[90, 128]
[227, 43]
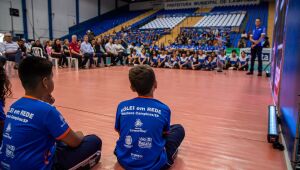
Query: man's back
[141, 123]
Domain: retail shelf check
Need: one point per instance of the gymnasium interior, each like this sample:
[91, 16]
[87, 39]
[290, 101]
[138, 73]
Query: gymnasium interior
[232, 120]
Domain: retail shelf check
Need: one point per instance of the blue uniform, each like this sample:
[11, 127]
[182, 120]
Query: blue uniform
[243, 61]
[182, 60]
[30, 131]
[222, 59]
[257, 32]
[233, 60]
[141, 123]
[143, 58]
[202, 58]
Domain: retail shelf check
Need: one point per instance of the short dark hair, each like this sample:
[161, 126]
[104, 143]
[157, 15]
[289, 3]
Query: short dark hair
[142, 79]
[258, 18]
[32, 70]
[233, 51]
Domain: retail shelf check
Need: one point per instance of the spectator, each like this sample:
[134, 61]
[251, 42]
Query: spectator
[57, 52]
[120, 50]
[111, 51]
[91, 35]
[11, 50]
[266, 43]
[23, 48]
[66, 50]
[87, 51]
[100, 52]
[75, 51]
[39, 45]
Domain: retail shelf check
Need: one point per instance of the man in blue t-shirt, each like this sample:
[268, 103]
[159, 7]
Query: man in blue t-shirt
[35, 135]
[257, 38]
[147, 141]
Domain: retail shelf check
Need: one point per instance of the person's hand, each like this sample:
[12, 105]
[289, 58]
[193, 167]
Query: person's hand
[49, 99]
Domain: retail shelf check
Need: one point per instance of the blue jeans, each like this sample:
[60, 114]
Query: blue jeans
[17, 57]
[86, 155]
[174, 139]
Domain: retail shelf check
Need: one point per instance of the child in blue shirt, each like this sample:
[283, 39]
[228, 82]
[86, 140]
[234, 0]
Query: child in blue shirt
[162, 59]
[5, 91]
[154, 59]
[202, 59]
[232, 61]
[211, 62]
[243, 62]
[147, 141]
[221, 61]
[36, 135]
[194, 62]
[173, 60]
[143, 58]
[183, 61]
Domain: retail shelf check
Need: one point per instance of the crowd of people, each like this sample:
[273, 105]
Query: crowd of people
[203, 55]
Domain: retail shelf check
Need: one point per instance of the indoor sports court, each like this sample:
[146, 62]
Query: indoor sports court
[149, 84]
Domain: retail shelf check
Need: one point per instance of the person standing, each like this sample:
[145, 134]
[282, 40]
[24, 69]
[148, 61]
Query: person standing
[257, 38]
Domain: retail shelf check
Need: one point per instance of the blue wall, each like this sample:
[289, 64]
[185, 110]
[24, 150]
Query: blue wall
[290, 76]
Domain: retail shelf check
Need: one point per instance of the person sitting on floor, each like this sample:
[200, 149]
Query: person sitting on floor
[232, 61]
[154, 59]
[36, 135]
[202, 59]
[11, 50]
[162, 59]
[183, 61]
[211, 62]
[146, 140]
[173, 60]
[194, 63]
[143, 58]
[133, 58]
[243, 62]
[221, 61]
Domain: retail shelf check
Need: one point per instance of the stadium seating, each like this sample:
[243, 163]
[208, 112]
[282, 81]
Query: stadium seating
[222, 20]
[165, 22]
[253, 12]
[102, 23]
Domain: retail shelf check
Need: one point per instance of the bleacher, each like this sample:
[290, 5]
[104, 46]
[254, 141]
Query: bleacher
[253, 12]
[222, 20]
[164, 22]
[103, 23]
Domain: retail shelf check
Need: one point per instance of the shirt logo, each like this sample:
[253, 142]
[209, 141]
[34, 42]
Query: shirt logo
[7, 132]
[128, 142]
[145, 142]
[10, 151]
[62, 120]
[138, 123]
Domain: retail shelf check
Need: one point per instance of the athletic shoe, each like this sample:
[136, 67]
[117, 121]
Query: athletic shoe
[250, 73]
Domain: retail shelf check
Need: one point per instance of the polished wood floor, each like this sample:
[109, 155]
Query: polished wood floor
[224, 114]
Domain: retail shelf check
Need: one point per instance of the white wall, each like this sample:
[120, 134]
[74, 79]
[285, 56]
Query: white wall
[64, 16]
[5, 18]
[87, 9]
[107, 5]
[40, 19]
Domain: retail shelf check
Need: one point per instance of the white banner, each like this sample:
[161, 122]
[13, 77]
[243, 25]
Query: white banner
[207, 3]
[266, 53]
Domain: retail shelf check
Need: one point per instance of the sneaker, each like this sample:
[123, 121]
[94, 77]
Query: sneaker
[250, 73]
[259, 74]
[219, 71]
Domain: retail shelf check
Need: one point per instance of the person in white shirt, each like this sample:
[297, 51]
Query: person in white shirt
[11, 50]
[221, 61]
[87, 51]
[120, 50]
[111, 51]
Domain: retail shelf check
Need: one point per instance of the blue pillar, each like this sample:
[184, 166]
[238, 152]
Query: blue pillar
[77, 11]
[50, 19]
[99, 7]
[24, 11]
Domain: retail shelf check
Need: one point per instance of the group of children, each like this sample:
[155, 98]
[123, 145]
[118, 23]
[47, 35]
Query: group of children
[35, 135]
[196, 60]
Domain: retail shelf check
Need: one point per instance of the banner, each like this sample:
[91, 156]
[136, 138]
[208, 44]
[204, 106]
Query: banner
[207, 3]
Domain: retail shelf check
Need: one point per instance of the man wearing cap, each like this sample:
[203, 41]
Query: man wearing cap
[11, 50]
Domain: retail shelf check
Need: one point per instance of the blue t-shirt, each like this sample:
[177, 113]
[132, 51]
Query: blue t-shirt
[2, 115]
[30, 131]
[141, 123]
[243, 61]
[257, 32]
[233, 60]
